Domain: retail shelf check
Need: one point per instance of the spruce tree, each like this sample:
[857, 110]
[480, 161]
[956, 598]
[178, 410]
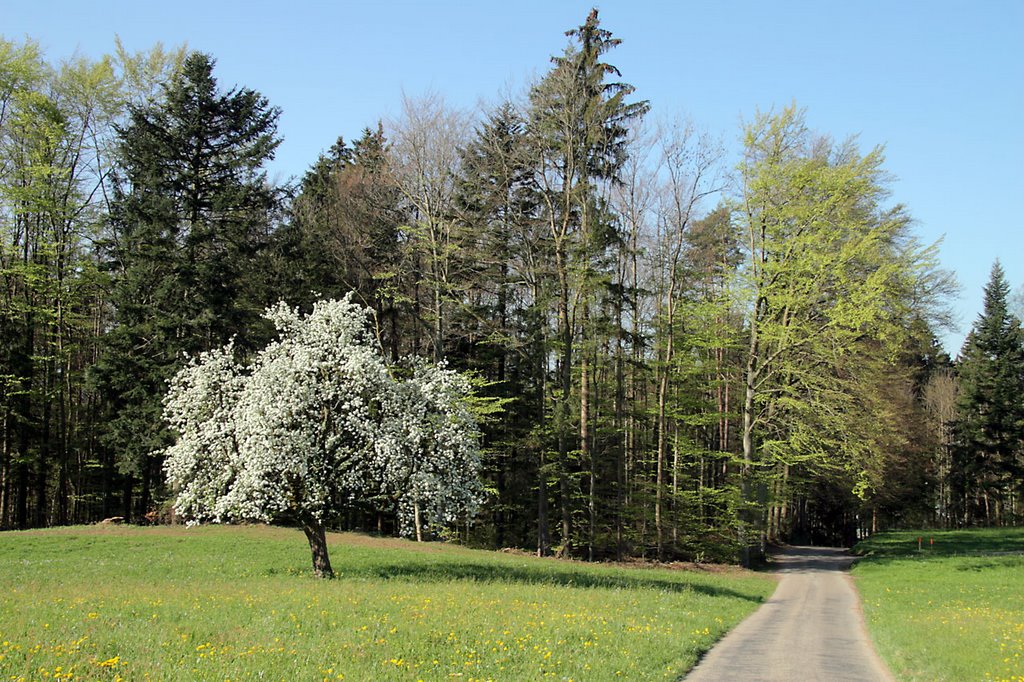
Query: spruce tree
[498, 321]
[345, 230]
[578, 129]
[989, 429]
[192, 210]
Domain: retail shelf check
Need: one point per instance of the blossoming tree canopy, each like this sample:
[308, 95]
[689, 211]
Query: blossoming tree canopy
[314, 422]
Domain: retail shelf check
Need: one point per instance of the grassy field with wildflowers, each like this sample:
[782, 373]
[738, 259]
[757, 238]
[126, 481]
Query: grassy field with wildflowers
[234, 603]
[953, 610]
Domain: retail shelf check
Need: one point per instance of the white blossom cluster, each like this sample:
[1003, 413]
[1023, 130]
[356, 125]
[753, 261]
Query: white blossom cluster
[316, 421]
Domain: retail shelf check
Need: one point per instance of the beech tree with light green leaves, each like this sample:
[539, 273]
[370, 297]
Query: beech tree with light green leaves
[830, 275]
[57, 153]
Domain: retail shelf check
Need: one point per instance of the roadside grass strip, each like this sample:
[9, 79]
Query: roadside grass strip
[951, 610]
[235, 603]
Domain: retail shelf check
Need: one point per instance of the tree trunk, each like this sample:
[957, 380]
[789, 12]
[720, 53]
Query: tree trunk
[563, 423]
[5, 474]
[543, 533]
[586, 456]
[416, 520]
[126, 499]
[317, 537]
[21, 508]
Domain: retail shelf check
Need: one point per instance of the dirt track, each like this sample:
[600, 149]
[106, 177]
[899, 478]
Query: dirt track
[811, 628]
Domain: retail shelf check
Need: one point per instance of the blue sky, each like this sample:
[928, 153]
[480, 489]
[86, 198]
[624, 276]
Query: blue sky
[940, 84]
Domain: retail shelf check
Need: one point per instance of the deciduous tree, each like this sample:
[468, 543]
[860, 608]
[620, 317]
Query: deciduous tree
[315, 422]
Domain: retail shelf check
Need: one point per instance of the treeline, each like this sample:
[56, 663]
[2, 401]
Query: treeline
[684, 355]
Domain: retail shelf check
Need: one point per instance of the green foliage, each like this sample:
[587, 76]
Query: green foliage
[344, 229]
[833, 287]
[657, 379]
[191, 214]
[56, 131]
[989, 426]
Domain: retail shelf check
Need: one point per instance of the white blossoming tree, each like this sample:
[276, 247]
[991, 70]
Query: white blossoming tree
[316, 421]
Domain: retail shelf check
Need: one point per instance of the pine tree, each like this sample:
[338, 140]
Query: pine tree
[989, 428]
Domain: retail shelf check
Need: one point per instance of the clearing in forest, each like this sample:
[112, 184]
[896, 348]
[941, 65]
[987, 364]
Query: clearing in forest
[172, 603]
[951, 610]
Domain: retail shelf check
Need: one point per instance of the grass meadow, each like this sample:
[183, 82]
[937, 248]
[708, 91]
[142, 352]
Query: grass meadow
[953, 610]
[234, 603]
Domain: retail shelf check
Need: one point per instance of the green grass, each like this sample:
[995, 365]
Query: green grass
[951, 611]
[231, 603]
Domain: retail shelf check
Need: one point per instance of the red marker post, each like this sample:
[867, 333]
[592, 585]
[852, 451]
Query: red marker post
[919, 544]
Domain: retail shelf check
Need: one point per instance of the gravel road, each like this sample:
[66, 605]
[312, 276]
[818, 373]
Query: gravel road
[812, 628]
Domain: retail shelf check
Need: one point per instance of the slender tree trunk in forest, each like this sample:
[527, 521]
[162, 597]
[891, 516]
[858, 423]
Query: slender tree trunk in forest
[416, 520]
[317, 537]
[543, 539]
[147, 485]
[5, 473]
[126, 497]
[543, 532]
[540, 368]
[586, 455]
[621, 429]
[746, 497]
[21, 509]
[784, 509]
[109, 494]
[43, 462]
[663, 419]
[565, 369]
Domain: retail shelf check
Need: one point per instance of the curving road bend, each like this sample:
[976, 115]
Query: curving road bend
[812, 628]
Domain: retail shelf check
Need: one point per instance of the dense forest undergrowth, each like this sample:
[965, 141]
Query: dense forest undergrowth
[676, 354]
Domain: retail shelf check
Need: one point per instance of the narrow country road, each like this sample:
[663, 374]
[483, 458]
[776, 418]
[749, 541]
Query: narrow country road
[811, 628]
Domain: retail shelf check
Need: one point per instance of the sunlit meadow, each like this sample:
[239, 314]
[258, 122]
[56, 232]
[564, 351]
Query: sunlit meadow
[232, 603]
[953, 610]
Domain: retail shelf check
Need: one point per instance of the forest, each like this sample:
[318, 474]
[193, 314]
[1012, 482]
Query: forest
[675, 354]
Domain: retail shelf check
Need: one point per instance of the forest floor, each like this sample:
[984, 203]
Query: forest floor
[233, 603]
[810, 629]
[948, 608]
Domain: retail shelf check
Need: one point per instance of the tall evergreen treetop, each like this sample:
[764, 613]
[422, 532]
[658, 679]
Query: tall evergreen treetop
[584, 116]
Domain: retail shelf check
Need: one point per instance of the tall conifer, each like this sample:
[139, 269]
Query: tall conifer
[191, 211]
[989, 429]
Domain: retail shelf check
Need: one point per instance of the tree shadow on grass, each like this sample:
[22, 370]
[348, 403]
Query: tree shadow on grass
[903, 545]
[558, 576]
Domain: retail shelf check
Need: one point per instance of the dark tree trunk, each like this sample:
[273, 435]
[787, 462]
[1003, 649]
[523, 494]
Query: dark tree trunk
[21, 508]
[147, 478]
[126, 500]
[317, 537]
[5, 474]
[109, 494]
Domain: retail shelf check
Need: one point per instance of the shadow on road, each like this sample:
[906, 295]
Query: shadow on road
[794, 559]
